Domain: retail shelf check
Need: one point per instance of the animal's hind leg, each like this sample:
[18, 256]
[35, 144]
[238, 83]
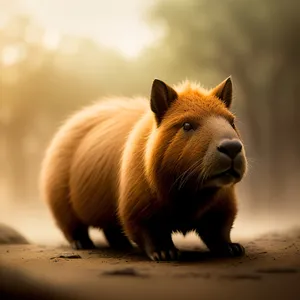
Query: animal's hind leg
[66, 219]
[76, 233]
[56, 191]
[73, 229]
[81, 239]
[116, 237]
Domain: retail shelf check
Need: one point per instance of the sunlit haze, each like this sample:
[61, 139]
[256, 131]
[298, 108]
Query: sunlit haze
[116, 24]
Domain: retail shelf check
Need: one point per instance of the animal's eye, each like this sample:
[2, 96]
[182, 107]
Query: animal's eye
[232, 123]
[187, 126]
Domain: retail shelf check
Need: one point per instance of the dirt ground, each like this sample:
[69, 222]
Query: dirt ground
[270, 270]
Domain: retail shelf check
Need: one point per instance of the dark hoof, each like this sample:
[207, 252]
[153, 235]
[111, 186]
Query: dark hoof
[164, 255]
[232, 250]
[82, 245]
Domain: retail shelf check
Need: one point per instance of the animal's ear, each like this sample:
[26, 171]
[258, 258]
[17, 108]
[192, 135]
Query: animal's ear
[162, 96]
[224, 91]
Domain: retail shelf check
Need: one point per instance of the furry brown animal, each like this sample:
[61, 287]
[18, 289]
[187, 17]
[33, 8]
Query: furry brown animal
[141, 170]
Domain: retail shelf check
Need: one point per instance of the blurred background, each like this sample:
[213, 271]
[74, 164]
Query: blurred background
[57, 56]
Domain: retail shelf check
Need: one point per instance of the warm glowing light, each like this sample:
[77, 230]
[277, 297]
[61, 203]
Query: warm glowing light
[10, 55]
[114, 24]
[51, 40]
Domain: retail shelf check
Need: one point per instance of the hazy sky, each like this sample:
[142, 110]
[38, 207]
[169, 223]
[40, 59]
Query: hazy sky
[114, 23]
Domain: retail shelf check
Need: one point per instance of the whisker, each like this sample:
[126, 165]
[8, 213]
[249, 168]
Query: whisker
[205, 174]
[181, 177]
[192, 170]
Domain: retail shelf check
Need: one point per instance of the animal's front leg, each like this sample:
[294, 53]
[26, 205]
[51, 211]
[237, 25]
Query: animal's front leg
[218, 242]
[215, 227]
[157, 244]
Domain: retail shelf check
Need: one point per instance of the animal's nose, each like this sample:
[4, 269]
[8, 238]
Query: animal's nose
[230, 147]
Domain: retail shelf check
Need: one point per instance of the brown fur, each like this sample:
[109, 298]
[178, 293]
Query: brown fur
[117, 164]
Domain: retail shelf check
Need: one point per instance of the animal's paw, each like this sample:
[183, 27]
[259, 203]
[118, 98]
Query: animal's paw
[232, 250]
[82, 245]
[164, 255]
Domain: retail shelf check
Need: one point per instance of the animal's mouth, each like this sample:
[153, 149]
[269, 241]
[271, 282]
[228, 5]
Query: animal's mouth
[231, 172]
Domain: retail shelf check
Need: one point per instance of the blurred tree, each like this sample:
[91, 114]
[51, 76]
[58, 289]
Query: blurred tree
[39, 87]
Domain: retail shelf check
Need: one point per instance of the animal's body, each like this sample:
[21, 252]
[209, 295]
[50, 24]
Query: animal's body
[141, 169]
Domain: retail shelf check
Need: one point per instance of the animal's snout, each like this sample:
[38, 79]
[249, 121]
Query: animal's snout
[230, 147]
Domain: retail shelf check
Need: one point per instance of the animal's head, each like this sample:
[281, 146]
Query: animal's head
[195, 141]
